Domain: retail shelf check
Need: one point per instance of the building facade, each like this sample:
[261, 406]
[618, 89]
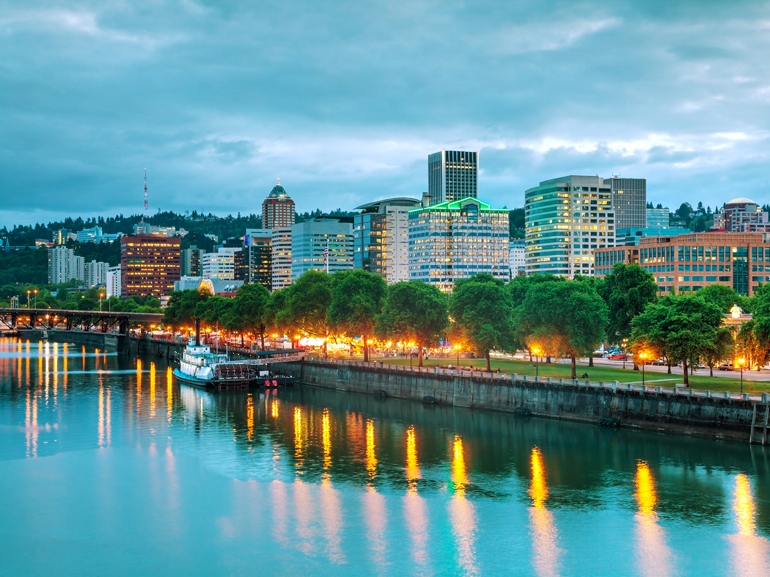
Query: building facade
[381, 238]
[452, 174]
[629, 201]
[690, 262]
[457, 239]
[324, 243]
[149, 265]
[516, 260]
[565, 220]
[632, 236]
[657, 218]
[64, 265]
[96, 274]
[259, 256]
[191, 259]
[277, 208]
[113, 281]
[221, 265]
[280, 255]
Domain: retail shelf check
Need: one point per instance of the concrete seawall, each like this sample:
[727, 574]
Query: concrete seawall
[680, 411]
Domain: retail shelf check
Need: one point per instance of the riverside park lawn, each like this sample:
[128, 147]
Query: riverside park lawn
[596, 373]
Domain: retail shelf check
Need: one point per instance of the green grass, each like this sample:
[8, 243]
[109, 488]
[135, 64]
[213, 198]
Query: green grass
[596, 373]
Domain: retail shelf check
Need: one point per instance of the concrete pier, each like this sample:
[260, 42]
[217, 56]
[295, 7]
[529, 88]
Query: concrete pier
[719, 416]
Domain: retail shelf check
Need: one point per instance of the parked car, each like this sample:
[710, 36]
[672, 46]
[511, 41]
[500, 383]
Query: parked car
[618, 356]
[659, 362]
[725, 367]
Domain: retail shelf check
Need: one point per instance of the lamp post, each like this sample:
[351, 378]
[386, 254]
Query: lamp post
[741, 362]
[28, 292]
[537, 362]
[100, 301]
[35, 298]
[457, 347]
[644, 358]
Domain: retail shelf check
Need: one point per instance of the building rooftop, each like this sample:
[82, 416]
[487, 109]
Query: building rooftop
[278, 191]
[397, 201]
[741, 200]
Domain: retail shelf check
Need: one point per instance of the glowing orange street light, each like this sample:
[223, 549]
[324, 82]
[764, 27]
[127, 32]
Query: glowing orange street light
[741, 362]
[536, 352]
[643, 355]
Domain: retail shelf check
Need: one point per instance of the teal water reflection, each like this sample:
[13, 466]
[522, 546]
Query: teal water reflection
[108, 466]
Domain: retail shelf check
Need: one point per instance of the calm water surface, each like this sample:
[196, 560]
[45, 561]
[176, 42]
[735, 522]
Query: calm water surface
[110, 467]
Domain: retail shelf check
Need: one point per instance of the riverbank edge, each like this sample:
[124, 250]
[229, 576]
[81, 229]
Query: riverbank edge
[714, 417]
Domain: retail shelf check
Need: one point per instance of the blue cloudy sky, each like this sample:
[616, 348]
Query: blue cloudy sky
[344, 100]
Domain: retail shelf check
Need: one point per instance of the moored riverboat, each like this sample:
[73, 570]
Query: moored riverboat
[202, 368]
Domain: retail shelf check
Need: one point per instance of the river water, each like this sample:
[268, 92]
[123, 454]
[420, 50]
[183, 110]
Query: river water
[110, 467]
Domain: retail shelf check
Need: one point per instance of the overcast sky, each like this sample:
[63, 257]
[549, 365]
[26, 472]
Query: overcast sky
[344, 100]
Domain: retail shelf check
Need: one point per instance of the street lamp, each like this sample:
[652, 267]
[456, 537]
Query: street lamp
[741, 362]
[28, 299]
[35, 298]
[100, 301]
[537, 362]
[644, 358]
[457, 348]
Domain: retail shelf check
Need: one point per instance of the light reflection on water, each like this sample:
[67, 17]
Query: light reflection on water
[311, 481]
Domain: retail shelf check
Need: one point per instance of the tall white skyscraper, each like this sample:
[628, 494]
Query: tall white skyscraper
[95, 274]
[280, 247]
[64, 266]
[113, 281]
[381, 238]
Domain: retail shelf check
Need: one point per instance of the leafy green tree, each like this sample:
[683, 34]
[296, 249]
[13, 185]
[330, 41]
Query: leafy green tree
[718, 349]
[627, 290]
[722, 296]
[519, 287]
[753, 348]
[307, 305]
[356, 301]
[563, 319]
[181, 308]
[249, 310]
[683, 326]
[482, 309]
[273, 309]
[414, 311]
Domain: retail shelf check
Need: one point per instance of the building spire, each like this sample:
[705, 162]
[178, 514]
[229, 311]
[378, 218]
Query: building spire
[146, 204]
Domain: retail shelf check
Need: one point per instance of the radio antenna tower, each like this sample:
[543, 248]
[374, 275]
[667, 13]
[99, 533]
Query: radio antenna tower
[146, 204]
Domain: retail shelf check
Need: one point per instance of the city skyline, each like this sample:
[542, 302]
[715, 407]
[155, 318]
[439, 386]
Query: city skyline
[344, 118]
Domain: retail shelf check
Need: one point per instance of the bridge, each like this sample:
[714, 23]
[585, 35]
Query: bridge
[51, 319]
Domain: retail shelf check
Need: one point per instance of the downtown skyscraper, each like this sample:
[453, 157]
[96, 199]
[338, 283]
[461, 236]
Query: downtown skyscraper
[452, 175]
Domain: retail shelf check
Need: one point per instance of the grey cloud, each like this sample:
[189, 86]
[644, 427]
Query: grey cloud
[344, 100]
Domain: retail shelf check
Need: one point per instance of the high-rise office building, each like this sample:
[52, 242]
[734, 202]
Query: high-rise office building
[277, 208]
[629, 201]
[457, 239]
[280, 255]
[149, 265]
[324, 243]
[191, 258]
[259, 256]
[113, 281]
[452, 174]
[64, 265]
[381, 238]
[566, 219]
[62, 235]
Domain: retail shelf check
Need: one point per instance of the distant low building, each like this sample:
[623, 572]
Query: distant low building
[113, 281]
[516, 259]
[742, 215]
[226, 288]
[690, 262]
